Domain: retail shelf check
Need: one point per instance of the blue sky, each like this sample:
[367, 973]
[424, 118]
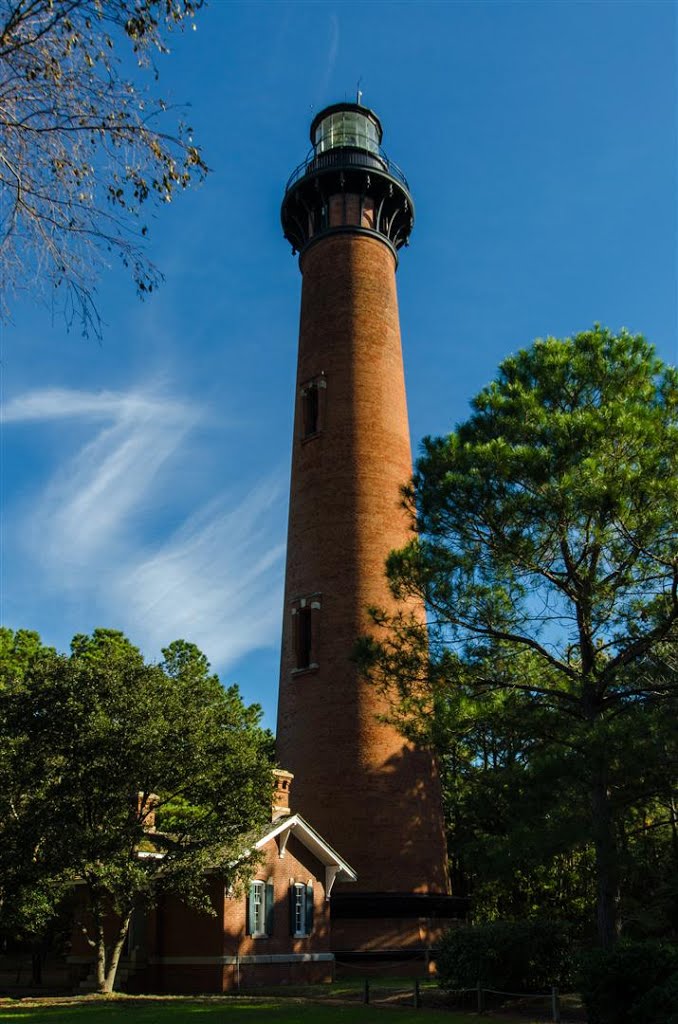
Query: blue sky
[144, 478]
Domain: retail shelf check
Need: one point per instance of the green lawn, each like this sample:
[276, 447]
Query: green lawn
[222, 1011]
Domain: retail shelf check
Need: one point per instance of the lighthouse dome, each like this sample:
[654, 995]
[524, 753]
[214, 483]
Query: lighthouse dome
[346, 125]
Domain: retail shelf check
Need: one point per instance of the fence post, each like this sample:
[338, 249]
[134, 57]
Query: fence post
[416, 993]
[555, 1004]
[481, 1002]
[366, 991]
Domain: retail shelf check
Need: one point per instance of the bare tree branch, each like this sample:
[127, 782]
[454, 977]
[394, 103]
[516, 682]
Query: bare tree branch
[82, 145]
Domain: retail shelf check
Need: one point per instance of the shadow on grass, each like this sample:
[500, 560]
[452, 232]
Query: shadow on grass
[221, 1010]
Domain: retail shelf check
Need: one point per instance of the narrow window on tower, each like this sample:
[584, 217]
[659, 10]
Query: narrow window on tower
[305, 622]
[311, 410]
[304, 637]
[312, 396]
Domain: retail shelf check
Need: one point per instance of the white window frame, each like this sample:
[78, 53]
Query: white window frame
[299, 910]
[258, 922]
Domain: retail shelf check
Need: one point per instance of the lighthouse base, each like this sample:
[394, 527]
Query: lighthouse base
[388, 932]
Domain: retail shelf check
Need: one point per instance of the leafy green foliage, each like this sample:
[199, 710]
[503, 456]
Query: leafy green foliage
[631, 984]
[660, 1004]
[83, 147]
[547, 555]
[521, 956]
[508, 956]
[29, 895]
[131, 778]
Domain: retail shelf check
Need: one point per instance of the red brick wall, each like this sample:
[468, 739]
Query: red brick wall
[179, 933]
[416, 933]
[249, 976]
[366, 790]
[297, 864]
[180, 930]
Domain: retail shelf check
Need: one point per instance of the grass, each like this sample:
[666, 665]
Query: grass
[351, 988]
[216, 1010]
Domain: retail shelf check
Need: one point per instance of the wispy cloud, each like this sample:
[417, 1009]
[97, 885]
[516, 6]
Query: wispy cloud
[214, 579]
[65, 403]
[331, 60]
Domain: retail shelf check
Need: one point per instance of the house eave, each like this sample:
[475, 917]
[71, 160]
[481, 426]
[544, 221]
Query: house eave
[297, 826]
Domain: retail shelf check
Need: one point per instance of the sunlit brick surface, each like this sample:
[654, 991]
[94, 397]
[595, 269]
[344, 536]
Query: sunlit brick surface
[357, 781]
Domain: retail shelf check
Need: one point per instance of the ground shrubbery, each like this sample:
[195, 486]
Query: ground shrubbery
[634, 983]
[509, 956]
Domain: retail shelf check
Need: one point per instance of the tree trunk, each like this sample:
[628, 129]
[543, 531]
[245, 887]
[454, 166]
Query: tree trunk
[673, 814]
[36, 966]
[101, 957]
[607, 868]
[107, 968]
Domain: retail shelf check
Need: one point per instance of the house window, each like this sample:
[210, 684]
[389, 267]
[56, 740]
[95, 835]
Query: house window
[258, 897]
[301, 909]
[260, 909]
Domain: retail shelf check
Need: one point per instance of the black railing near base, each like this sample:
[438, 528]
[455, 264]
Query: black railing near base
[345, 157]
[369, 984]
[480, 992]
[416, 993]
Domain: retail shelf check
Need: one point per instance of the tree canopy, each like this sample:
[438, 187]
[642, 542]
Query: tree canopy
[546, 553]
[83, 147]
[130, 778]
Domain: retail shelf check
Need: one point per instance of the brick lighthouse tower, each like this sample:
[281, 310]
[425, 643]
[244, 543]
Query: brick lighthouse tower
[347, 210]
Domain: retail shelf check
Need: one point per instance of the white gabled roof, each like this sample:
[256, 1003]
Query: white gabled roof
[294, 824]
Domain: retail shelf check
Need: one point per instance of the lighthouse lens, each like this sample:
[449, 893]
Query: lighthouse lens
[346, 128]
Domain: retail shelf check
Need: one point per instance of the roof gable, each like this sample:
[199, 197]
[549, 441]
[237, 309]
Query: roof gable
[336, 868]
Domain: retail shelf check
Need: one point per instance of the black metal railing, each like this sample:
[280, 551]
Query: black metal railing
[345, 156]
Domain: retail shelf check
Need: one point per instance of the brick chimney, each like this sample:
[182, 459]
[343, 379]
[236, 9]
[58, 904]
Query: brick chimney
[146, 810]
[282, 783]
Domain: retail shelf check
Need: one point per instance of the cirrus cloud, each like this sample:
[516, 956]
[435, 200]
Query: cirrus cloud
[214, 578]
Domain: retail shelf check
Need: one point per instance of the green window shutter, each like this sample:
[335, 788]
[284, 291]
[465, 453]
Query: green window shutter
[309, 908]
[250, 910]
[270, 901]
[293, 909]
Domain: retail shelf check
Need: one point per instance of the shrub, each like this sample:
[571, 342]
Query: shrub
[660, 1004]
[511, 956]
[630, 984]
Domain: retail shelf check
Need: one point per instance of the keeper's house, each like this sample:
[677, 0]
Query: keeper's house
[277, 933]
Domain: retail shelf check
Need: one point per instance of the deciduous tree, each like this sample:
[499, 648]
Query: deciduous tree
[148, 776]
[83, 146]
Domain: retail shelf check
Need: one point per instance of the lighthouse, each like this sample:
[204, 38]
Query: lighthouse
[347, 210]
